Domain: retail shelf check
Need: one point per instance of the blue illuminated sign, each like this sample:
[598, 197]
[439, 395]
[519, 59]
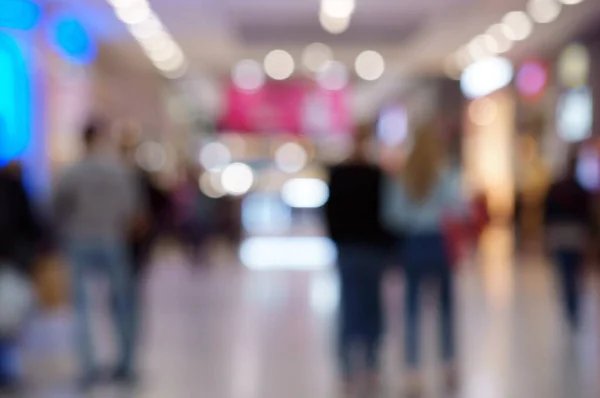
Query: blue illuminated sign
[19, 14]
[15, 101]
[72, 40]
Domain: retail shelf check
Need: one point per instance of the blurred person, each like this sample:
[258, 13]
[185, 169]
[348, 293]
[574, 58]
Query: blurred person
[568, 219]
[19, 234]
[95, 204]
[417, 202]
[194, 213]
[353, 220]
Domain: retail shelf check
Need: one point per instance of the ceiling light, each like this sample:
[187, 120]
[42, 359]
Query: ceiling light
[370, 65]
[248, 75]
[333, 77]
[338, 8]
[279, 65]
[316, 56]
[543, 11]
[571, 2]
[502, 43]
[517, 26]
[478, 48]
[136, 13]
[335, 26]
[146, 29]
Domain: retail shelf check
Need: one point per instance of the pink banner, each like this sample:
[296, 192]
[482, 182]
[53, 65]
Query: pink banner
[295, 107]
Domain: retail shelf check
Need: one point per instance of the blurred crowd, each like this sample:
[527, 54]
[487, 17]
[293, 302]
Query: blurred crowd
[107, 215]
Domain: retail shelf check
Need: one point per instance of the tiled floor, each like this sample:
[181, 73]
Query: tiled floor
[235, 333]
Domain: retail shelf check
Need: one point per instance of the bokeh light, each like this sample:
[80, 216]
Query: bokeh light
[305, 193]
[215, 156]
[248, 75]
[334, 76]
[210, 184]
[532, 79]
[316, 56]
[151, 156]
[291, 157]
[501, 43]
[370, 65]
[544, 11]
[574, 66]
[279, 65]
[335, 26]
[338, 8]
[237, 179]
[486, 76]
[517, 26]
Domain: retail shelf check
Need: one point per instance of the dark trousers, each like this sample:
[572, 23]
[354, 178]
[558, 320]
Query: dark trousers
[425, 259]
[360, 268]
[569, 263]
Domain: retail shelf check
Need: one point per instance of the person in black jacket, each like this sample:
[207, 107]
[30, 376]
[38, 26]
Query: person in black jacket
[352, 216]
[568, 224]
[19, 234]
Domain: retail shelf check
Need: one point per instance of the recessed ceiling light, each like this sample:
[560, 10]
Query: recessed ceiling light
[316, 56]
[279, 65]
[370, 65]
[338, 8]
[335, 26]
[544, 11]
[517, 26]
[248, 75]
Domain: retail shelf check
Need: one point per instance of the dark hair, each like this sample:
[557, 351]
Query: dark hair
[92, 132]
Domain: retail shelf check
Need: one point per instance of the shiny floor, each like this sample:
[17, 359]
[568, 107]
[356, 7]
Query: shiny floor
[231, 332]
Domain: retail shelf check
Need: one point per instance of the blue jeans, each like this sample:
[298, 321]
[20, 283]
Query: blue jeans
[110, 260]
[425, 258]
[360, 268]
[569, 263]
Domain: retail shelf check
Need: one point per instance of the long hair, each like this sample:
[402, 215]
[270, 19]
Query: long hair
[424, 164]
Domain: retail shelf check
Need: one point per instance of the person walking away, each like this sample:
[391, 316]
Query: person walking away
[417, 201]
[19, 234]
[353, 221]
[95, 203]
[568, 226]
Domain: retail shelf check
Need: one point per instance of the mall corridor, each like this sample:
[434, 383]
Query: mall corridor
[231, 332]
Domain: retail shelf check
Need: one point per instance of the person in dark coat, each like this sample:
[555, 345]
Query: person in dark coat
[568, 225]
[352, 216]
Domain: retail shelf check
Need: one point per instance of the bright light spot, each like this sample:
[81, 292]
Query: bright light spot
[291, 157]
[543, 11]
[575, 115]
[574, 66]
[237, 179]
[333, 77]
[486, 76]
[517, 26]
[316, 56]
[335, 26]
[369, 65]
[483, 111]
[392, 128]
[502, 43]
[532, 78]
[279, 65]
[151, 156]
[478, 48]
[215, 156]
[248, 75]
[265, 214]
[571, 2]
[210, 184]
[338, 8]
[146, 29]
[135, 13]
[305, 193]
[296, 253]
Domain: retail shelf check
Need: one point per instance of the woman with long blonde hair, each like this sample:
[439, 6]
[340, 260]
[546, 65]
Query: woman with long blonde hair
[417, 199]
